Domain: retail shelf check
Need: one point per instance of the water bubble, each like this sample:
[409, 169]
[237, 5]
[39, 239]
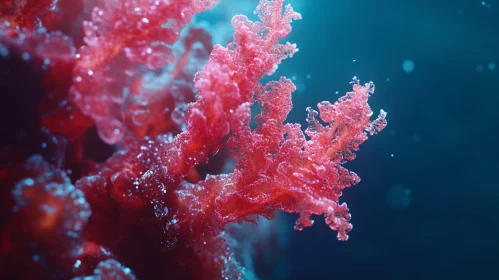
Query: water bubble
[26, 56]
[178, 114]
[408, 65]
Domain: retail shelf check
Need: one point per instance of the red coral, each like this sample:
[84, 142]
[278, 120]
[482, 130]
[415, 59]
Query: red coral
[150, 209]
[26, 13]
[46, 226]
[119, 39]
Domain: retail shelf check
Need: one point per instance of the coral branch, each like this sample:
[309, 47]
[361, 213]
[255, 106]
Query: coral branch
[121, 37]
[229, 80]
[278, 169]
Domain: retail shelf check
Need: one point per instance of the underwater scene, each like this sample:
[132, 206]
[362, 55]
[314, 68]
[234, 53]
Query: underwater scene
[249, 139]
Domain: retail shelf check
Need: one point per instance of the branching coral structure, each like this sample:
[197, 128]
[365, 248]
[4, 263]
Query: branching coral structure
[144, 86]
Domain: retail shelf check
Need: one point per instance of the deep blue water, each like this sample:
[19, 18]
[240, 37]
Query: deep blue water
[428, 203]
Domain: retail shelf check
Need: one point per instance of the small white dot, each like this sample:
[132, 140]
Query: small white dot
[90, 72]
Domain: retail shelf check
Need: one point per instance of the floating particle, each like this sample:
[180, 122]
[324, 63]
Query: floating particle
[408, 65]
[486, 5]
[492, 66]
[26, 56]
[479, 68]
[309, 76]
[399, 198]
[388, 79]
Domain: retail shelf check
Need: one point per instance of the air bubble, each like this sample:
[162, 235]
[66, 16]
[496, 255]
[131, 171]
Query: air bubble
[408, 66]
[26, 56]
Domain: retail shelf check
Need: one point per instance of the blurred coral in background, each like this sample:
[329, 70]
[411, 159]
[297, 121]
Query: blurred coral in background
[121, 118]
